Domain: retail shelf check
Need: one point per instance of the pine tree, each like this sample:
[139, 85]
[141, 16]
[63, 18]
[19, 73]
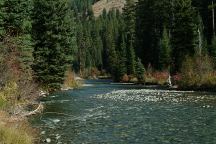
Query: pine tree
[122, 65]
[97, 47]
[184, 31]
[16, 16]
[131, 63]
[111, 51]
[165, 51]
[140, 70]
[53, 33]
[88, 46]
[129, 18]
[146, 32]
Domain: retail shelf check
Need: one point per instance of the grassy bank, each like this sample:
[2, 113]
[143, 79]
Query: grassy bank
[12, 135]
[15, 130]
[71, 81]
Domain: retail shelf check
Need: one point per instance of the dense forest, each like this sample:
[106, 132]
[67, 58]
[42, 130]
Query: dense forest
[42, 41]
[45, 43]
[148, 41]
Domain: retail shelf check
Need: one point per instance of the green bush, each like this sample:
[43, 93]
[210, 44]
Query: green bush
[197, 73]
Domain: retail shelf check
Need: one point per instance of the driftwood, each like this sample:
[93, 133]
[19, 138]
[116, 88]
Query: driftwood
[37, 110]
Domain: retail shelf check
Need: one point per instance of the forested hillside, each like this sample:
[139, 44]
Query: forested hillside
[40, 40]
[163, 35]
[44, 43]
[144, 39]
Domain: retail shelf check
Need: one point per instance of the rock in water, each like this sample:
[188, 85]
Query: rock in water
[48, 140]
[43, 132]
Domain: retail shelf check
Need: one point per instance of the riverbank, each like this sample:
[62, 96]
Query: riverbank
[14, 125]
[18, 100]
[15, 113]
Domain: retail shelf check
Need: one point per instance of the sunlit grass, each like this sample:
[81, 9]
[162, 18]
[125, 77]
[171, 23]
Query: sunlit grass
[11, 135]
[70, 81]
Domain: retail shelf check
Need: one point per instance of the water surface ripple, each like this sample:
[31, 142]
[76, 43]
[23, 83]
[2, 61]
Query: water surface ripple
[105, 113]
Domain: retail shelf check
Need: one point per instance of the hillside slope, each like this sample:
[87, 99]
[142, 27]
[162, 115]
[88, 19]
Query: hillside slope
[99, 6]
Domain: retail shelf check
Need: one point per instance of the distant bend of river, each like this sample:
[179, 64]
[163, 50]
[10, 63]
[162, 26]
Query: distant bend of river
[106, 113]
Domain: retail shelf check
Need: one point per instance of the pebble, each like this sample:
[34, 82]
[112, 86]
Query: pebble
[56, 120]
[58, 136]
[43, 132]
[48, 140]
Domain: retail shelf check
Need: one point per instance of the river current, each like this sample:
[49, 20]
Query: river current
[103, 112]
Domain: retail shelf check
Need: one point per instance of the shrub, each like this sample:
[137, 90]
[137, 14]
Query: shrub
[197, 73]
[161, 77]
[156, 77]
[91, 73]
[70, 81]
[125, 78]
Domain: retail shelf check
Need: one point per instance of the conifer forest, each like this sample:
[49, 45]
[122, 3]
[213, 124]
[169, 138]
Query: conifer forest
[47, 38]
[46, 45]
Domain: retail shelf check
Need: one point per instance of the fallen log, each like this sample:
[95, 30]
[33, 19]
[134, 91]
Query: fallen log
[37, 110]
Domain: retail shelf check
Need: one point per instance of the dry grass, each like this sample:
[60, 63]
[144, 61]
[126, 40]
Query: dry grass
[14, 130]
[11, 135]
[157, 77]
[70, 81]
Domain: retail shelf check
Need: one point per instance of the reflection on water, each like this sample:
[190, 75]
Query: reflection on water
[102, 112]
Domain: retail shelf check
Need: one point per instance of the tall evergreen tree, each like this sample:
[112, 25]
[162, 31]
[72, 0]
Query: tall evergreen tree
[111, 51]
[97, 47]
[129, 18]
[184, 32]
[122, 55]
[140, 70]
[53, 32]
[165, 51]
[146, 32]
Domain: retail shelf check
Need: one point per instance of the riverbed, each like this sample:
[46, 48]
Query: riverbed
[103, 112]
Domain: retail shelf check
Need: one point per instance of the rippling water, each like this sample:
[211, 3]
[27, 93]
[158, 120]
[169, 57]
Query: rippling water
[104, 113]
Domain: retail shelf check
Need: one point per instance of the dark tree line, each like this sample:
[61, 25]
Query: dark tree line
[53, 36]
[173, 30]
[162, 33]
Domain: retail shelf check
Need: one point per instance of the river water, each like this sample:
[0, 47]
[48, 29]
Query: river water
[106, 113]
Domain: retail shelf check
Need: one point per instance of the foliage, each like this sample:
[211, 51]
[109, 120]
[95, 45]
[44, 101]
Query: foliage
[165, 51]
[53, 35]
[16, 82]
[129, 19]
[70, 81]
[197, 73]
[125, 78]
[184, 32]
[140, 70]
[212, 50]
[157, 77]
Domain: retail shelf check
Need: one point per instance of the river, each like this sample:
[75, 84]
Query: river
[103, 112]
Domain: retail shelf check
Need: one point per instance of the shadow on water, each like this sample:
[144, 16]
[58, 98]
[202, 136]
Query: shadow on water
[105, 112]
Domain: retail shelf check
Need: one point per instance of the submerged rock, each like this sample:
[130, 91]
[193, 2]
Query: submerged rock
[56, 120]
[43, 132]
[48, 140]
